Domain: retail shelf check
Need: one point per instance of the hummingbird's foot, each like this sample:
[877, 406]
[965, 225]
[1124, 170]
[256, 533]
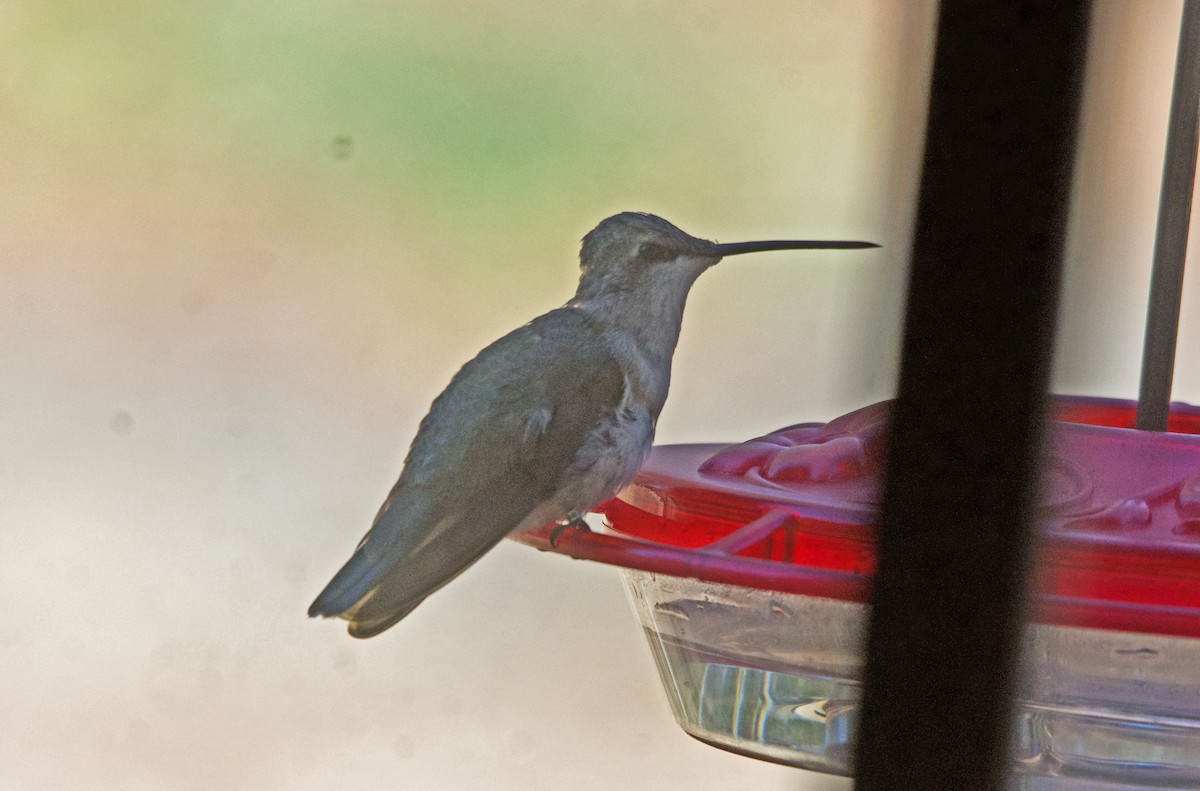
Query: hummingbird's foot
[574, 519]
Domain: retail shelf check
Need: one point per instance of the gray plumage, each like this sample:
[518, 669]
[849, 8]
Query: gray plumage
[542, 425]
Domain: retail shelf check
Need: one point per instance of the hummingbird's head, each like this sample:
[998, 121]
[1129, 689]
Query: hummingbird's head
[638, 252]
[641, 254]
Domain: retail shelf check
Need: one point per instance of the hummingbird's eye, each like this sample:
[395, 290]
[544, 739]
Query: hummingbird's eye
[653, 252]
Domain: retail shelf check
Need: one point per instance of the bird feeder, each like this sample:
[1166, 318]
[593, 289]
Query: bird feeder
[750, 568]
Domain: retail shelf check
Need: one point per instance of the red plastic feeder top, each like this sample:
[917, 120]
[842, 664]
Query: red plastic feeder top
[793, 511]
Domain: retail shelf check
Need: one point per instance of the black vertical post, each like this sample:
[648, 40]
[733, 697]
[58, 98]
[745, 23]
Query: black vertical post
[1171, 236]
[955, 530]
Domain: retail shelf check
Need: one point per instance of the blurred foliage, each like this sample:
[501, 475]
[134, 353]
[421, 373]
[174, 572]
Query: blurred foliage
[488, 113]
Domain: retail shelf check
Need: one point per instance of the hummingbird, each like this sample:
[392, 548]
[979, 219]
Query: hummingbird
[541, 426]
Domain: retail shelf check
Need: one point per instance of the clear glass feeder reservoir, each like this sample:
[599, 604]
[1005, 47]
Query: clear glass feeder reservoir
[750, 565]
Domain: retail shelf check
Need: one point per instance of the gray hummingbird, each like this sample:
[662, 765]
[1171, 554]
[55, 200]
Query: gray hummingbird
[544, 424]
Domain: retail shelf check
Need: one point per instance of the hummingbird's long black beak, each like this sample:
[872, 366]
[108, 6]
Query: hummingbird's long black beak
[737, 248]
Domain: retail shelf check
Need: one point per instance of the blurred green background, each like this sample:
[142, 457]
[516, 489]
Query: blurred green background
[243, 246]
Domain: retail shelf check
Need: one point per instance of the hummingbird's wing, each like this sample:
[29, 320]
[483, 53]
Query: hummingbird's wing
[492, 450]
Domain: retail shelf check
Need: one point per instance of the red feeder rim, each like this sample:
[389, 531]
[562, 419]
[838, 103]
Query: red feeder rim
[793, 512]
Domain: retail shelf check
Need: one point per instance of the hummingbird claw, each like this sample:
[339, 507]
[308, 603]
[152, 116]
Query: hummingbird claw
[574, 520]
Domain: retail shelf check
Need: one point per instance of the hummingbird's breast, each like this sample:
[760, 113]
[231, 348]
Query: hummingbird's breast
[611, 456]
[617, 447]
[646, 366]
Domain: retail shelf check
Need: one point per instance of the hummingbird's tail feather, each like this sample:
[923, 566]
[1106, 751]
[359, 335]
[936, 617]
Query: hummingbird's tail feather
[444, 547]
[414, 548]
[347, 589]
[388, 541]
[434, 563]
[369, 627]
